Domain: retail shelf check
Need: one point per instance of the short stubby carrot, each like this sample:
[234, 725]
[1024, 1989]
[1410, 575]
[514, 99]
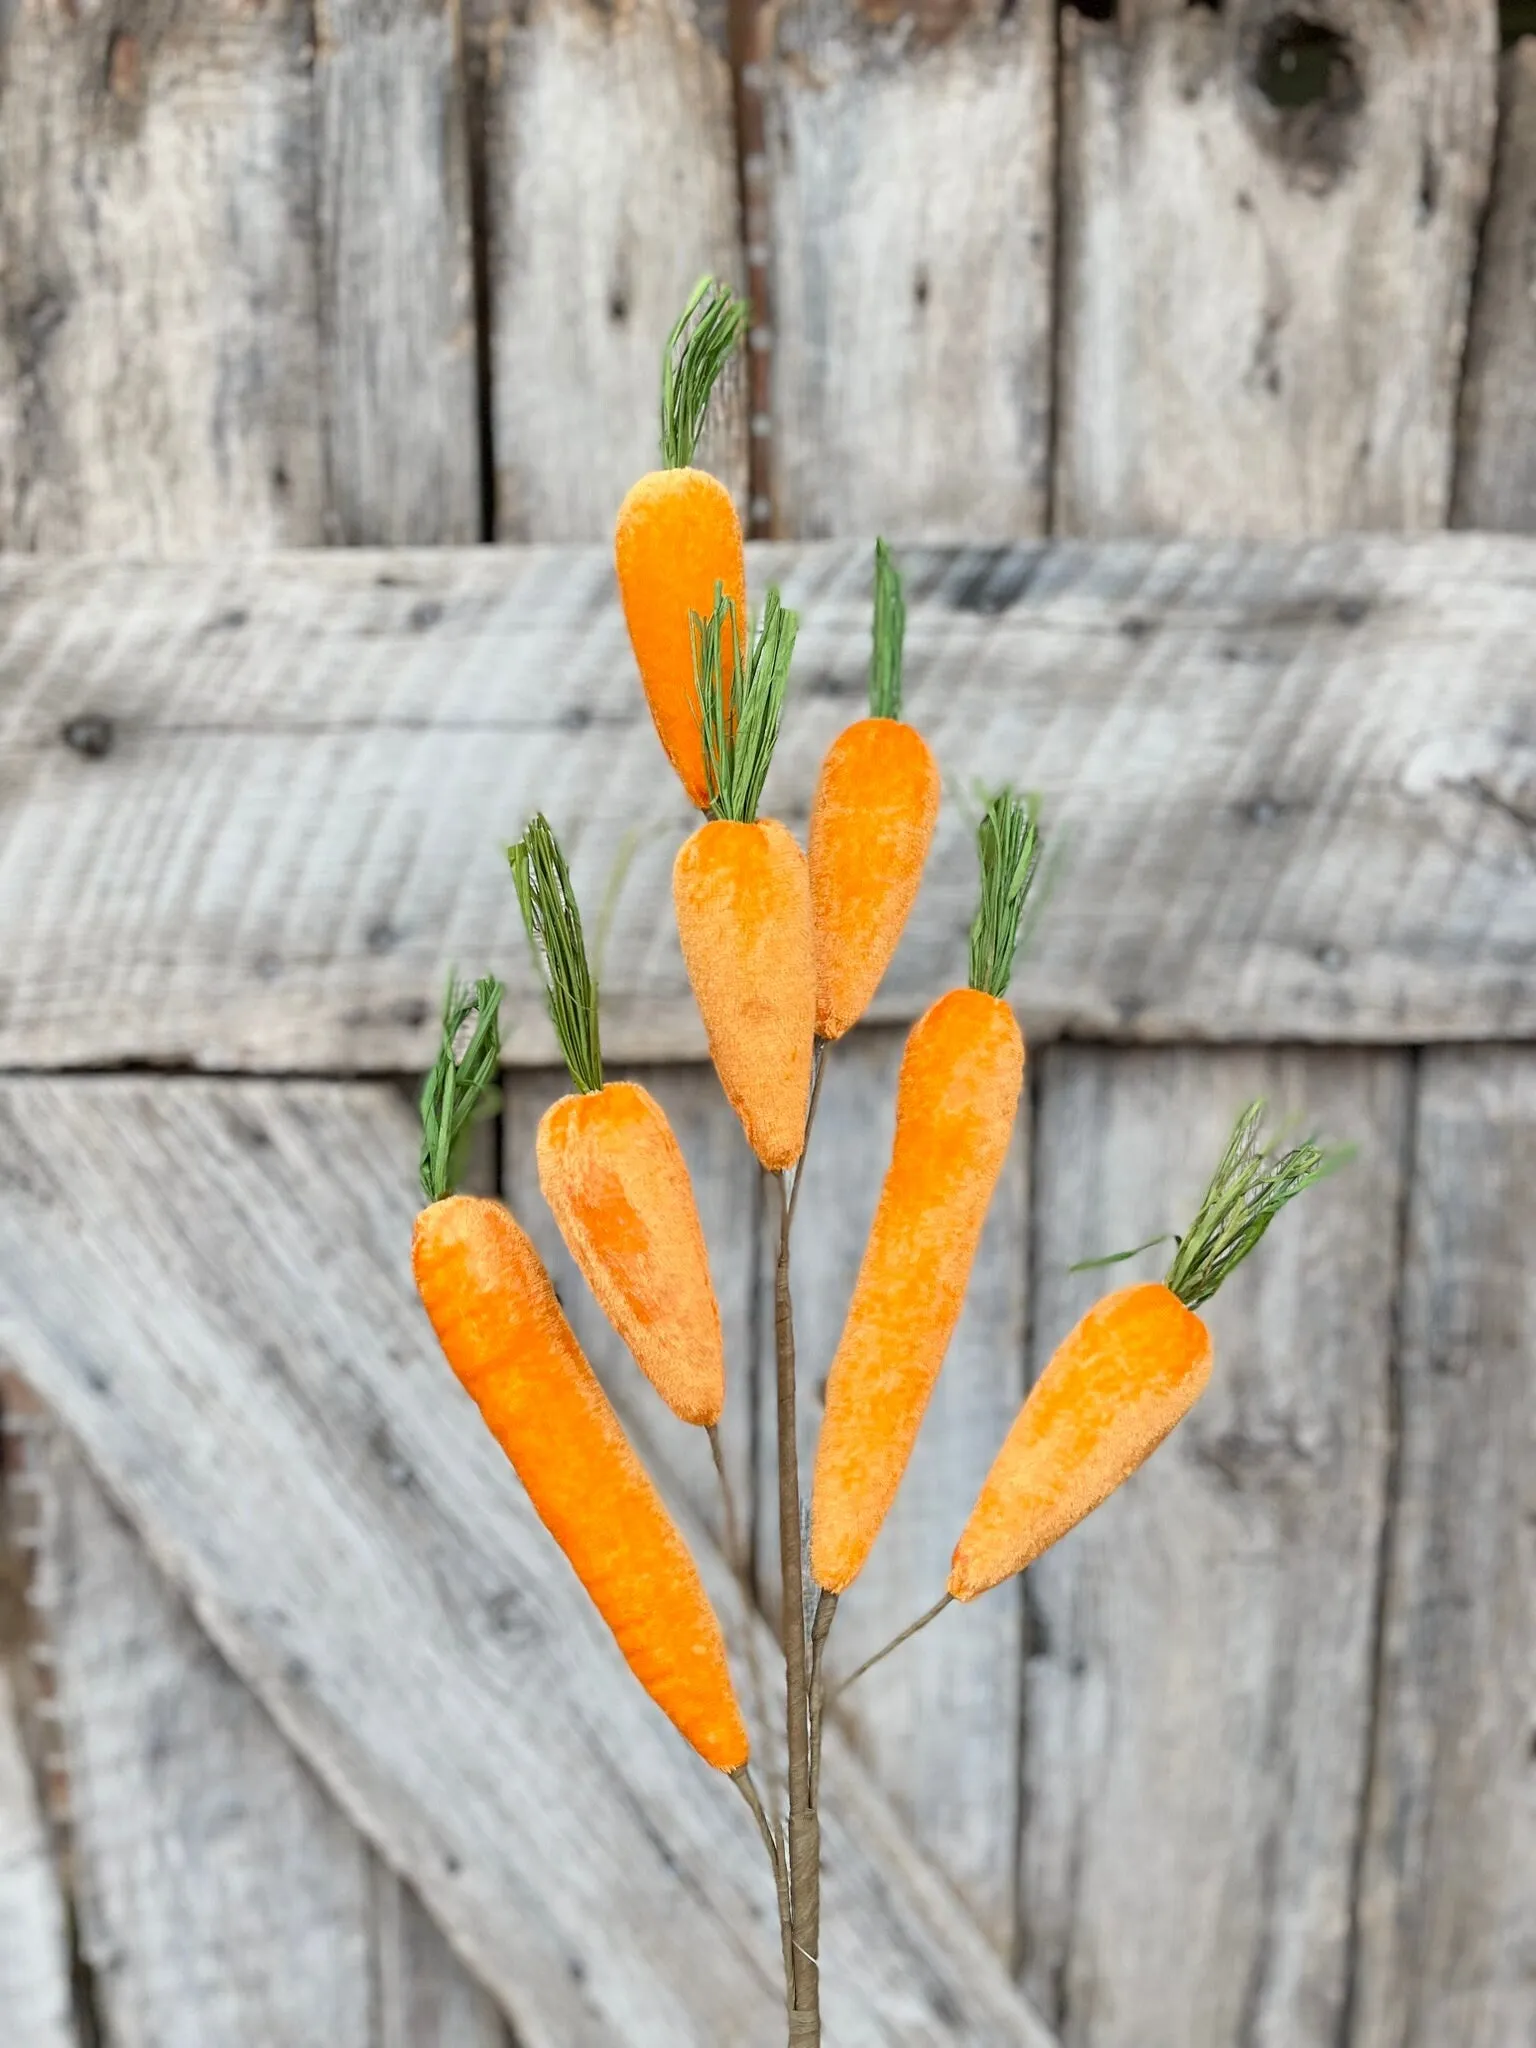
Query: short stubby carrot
[678, 535]
[502, 1331]
[956, 1099]
[611, 1169]
[1135, 1364]
[872, 823]
[742, 893]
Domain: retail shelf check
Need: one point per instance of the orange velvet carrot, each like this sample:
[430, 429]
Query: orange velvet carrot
[743, 896]
[877, 801]
[611, 1168]
[1135, 1364]
[956, 1099]
[495, 1313]
[678, 535]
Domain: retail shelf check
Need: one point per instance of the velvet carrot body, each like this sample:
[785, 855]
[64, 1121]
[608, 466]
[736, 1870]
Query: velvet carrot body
[502, 1331]
[612, 1171]
[872, 823]
[678, 535]
[956, 1099]
[742, 892]
[1135, 1364]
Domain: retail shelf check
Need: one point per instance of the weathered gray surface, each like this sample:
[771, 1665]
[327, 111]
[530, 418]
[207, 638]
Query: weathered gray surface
[1262, 306]
[939, 1723]
[1496, 461]
[160, 385]
[1447, 1921]
[293, 1452]
[34, 1955]
[397, 307]
[911, 158]
[611, 175]
[1292, 788]
[1200, 1669]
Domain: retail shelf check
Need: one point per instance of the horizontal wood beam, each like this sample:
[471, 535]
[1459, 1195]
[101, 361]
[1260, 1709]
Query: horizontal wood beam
[253, 810]
[207, 1283]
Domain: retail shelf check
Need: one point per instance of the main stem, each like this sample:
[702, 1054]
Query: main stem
[804, 1826]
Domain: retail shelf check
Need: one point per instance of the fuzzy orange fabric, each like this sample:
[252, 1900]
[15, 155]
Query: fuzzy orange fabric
[956, 1099]
[743, 900]
[501, 1329]
[677, 537]
[1135, 1364]
[613, 1173]
[877, 802]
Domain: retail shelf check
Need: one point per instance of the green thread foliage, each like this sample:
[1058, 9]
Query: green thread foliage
[461, 1089]
[889, 636]
[552, 919]
[707, 332]
[1008, 843]
[741, 728]
[1247, 1192]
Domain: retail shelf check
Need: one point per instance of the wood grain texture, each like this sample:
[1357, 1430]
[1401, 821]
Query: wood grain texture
[1269, 227]
[255, 811]
[34, 1951]
[295, 1455]
[939, 1723]
[611, 187]
[1447, 1915]
[1496, 462]
[396, 310]
[911, 168]
[1200, 1670]
[160, 382]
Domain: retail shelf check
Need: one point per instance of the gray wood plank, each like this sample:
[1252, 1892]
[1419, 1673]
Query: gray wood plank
[160, 384]
[255, 810]
[34, 1950]
[1447, 1913]
[938, 1724]
[611, 187]
[1199, 1682]
[1496, 460]
[396, 303]
[223, 1900]
[911, 160]
[242, 1361]
[1269, 228]
[424, 1997]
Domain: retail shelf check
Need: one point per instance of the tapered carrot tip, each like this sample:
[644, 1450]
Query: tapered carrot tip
[1134, 1365]
[743, 899]
[877, 802]
[677, 537]
[614, 1175]
[502, 1331]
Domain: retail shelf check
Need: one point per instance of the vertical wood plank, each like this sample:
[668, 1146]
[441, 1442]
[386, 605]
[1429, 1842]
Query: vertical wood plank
[611, 183]
[1447, 1913]
[35, 2002]
[939, 1722]
[911, 158]
[1200, 1658]
[1496, 465]
[1269, 228]
[424, 1997]
[397, 302]
[160, 372]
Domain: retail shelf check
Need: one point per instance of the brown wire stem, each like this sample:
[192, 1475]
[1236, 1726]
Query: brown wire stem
[895, 1643]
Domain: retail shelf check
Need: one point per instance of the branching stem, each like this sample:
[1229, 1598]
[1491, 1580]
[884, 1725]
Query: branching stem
[895, 1643]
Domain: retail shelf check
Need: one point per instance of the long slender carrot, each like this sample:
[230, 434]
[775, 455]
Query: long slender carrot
[1135, 1364]
[876, 804]
[956, 1099]
[611, 1169]
[678, 535]
[495, 1313]
[742, 893]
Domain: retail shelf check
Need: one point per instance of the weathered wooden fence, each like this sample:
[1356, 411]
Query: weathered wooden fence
[291, 1688]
